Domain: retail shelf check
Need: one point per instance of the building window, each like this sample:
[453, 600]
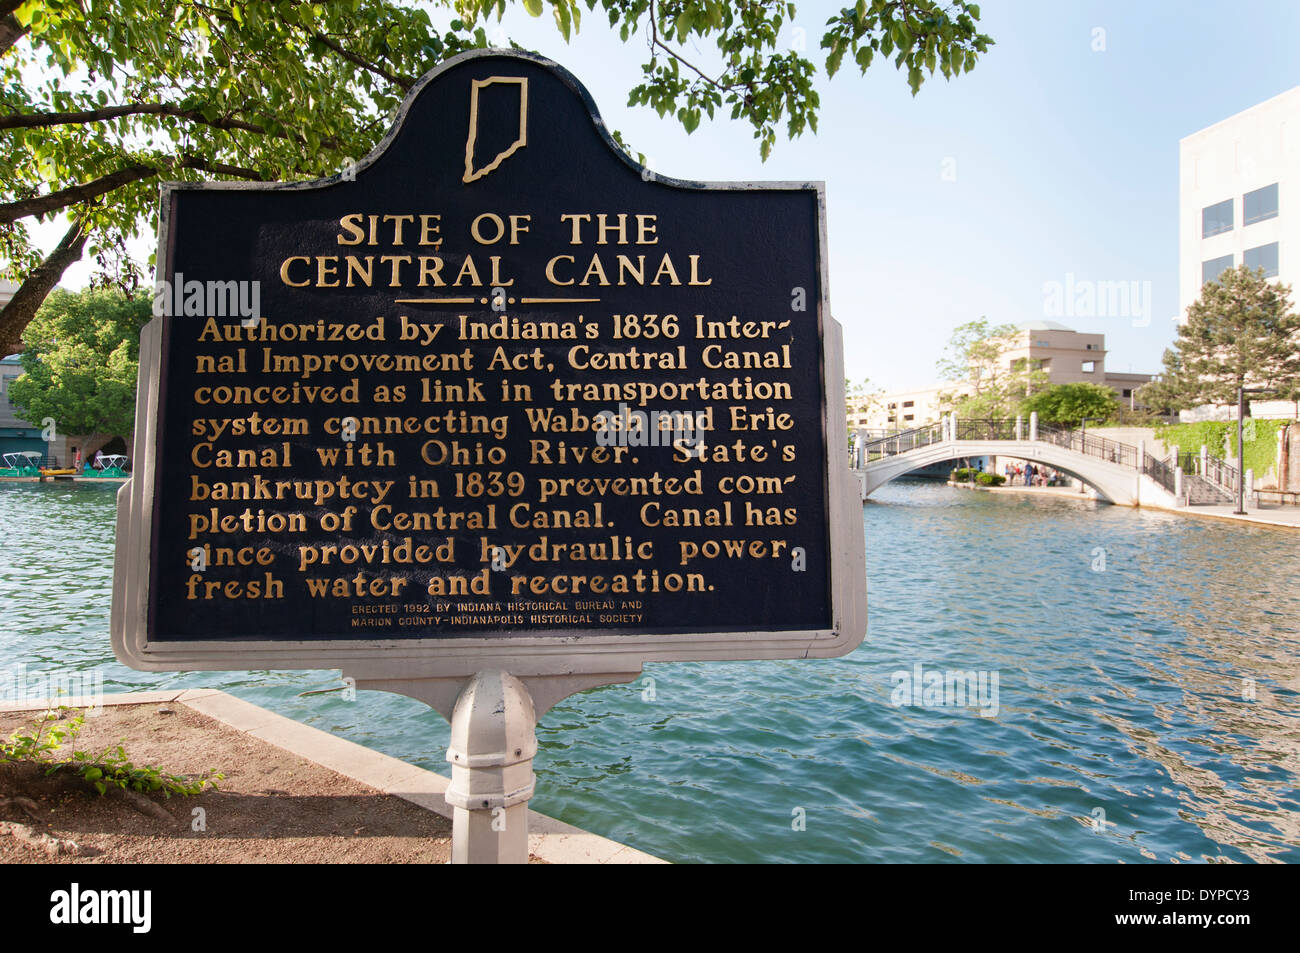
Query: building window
[1210, 270]
[1259, 205]
[1216, 219]
[1126, 392]
[1089, 367]
[1265, 256]
[908, 403]
[1092, 347]
[908, 417]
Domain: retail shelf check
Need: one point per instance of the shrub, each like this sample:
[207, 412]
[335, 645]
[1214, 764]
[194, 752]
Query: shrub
[1261, 440]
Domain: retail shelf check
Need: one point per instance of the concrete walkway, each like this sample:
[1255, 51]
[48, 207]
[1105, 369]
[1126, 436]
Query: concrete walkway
[551, 840]
[1276, 515]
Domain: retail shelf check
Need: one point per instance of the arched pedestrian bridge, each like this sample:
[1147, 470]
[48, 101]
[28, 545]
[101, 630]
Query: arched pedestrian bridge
[1119, 472]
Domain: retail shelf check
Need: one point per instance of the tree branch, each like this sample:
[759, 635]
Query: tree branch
[655, 41]
[22, 307]
[33, 120]
[44, 120]
[406, 82]
[12, 211]
[221, 168]
[10, 32]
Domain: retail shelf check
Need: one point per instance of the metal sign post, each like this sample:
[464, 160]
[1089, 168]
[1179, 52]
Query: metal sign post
[491, 755]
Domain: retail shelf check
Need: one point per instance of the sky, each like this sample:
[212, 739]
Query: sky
[1057, 156]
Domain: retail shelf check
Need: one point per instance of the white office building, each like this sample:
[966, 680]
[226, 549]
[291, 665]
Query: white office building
[1239, 197]
[1239, 201]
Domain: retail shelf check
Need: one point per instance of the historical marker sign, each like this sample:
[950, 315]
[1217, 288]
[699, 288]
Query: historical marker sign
[497, 397]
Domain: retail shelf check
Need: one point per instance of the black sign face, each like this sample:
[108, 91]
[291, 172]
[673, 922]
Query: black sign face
[497, 381]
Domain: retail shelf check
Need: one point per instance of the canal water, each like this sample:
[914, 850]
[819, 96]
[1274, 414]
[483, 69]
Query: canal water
[1134, 676]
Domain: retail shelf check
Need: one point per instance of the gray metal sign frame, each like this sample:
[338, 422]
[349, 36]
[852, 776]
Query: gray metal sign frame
[573, 659]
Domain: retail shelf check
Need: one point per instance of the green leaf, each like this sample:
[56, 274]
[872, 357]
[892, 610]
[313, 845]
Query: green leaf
[833, 60]
[24, 13]
[534, 7]
[683, 26]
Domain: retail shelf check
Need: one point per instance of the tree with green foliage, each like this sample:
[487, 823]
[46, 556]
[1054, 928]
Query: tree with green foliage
[987, 385]
[100, 100]
[80, 361]
[973, 352]
[1241, 332]
[1071, 403]
[859, 398]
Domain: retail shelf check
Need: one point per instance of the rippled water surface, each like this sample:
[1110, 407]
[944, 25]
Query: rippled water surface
[1126, 645]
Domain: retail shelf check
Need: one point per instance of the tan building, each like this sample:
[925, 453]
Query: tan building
[859, 413]
[1067, 356]
[914, 408]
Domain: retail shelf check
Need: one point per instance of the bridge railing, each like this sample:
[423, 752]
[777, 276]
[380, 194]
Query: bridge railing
[1218, 472]
[879, 433]
[988, 429]
[1161, 471]
[1221, 474]
[1091, 445]
[901, 442]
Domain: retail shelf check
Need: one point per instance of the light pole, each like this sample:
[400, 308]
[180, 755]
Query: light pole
[1241, 446]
